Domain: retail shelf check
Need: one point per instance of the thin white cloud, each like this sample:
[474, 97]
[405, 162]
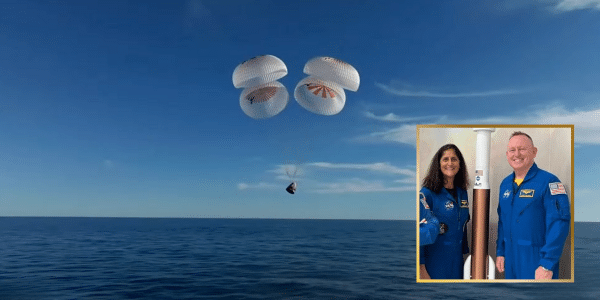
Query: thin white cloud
[381, 167]
[410, 180]
[288, 171]
[571, 5]
[359, 186]
[428, 94]
[257, 186]
[405, 134]
[354, 185]
[587, 124]
[395, 118]
[554, 6]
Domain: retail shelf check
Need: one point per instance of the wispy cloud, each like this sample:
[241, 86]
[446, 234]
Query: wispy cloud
[351, 185]
[406, 180]
[381, 167]
[397, 119]
[587, 124]
[571, 5]
[356, 185]
[285, 172]
[430, 94]
[405, 134]
[554, 6]
[258, 186]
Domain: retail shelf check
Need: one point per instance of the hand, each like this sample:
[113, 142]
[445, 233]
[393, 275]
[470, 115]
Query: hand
[500, 264]
[541, 274]
[423, 271]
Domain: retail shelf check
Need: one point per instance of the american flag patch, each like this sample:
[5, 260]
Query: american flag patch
[478, 172]
[557, 188]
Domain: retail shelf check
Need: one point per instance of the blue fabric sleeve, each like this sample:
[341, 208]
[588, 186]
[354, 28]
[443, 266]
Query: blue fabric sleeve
[558, 221]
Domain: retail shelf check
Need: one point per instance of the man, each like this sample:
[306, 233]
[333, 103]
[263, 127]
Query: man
[533, 216]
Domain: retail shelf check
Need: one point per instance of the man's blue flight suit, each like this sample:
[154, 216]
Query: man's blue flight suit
[533, 222]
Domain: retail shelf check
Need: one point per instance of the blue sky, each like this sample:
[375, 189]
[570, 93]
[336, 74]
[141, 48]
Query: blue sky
[127, 108]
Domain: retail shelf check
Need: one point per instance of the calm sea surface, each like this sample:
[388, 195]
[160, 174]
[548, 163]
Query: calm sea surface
[136, 258]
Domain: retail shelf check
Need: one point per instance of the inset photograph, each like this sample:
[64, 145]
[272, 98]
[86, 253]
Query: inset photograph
[495, 203]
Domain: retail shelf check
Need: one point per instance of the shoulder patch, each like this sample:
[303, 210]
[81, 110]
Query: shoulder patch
[557, 188]
[423, 200]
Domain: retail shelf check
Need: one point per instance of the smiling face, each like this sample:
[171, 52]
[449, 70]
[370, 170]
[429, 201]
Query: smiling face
[520, 154]
[449, 164]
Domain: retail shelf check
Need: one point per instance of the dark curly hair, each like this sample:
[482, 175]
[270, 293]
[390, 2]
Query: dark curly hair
[435, 179]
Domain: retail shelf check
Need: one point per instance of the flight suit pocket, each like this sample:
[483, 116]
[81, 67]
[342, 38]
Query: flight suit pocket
[533, 243]
[562, 206]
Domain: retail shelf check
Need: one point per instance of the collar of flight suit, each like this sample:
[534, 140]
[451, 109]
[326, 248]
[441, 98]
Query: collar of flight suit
[449, 195]
[526, 200]
[530, 173]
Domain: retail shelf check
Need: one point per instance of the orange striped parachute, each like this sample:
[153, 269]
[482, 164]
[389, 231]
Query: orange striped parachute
[322, 92]
[263, 96]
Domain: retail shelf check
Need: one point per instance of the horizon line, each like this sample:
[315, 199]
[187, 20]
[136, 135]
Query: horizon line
[227, 218]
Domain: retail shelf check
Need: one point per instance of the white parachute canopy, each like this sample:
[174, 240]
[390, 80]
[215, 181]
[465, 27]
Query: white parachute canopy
[320, 96]
[335, 70]
[263, 96]
[323, 91]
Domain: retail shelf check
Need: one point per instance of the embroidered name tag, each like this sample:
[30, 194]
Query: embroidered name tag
[526, 193]
[557, 188]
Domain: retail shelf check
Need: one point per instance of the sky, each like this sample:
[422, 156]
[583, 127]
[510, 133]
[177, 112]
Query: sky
[127, 108]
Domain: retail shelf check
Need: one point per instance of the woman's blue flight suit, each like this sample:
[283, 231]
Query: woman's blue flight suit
[444, 258]
[429, 226]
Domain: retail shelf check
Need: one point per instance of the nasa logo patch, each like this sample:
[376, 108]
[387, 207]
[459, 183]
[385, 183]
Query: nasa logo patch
[526, 193]
[557, 188]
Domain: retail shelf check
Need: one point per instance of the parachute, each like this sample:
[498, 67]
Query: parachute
[334, 70]
[323, 91]
[263, 96]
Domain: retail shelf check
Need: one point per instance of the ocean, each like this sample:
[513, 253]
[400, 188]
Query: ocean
[152, 258]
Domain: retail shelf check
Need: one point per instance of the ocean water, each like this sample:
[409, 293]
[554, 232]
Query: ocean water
[138, 258]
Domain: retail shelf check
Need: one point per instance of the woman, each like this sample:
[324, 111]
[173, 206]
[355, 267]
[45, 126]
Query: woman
[444, 192]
